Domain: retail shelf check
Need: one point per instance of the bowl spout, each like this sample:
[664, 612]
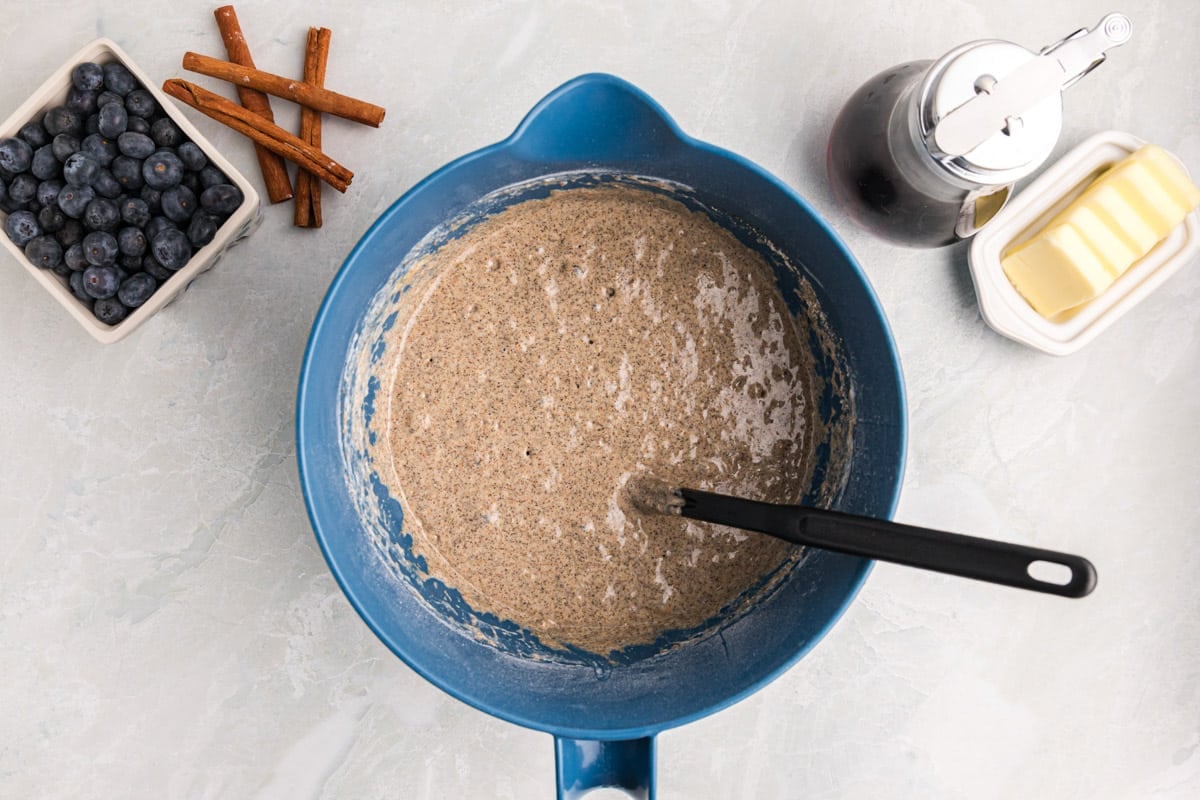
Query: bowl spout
[596, 117]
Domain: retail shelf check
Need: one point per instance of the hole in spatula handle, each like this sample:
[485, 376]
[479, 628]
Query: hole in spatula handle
[1050, 572]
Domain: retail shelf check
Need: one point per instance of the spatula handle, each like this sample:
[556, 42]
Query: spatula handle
[950, 553]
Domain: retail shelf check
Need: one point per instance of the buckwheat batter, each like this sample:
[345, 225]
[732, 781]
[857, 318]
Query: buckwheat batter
[564, 345]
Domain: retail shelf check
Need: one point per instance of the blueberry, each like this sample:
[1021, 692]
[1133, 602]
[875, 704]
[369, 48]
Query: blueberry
[156, 226]
[135, 145]
[139, 125]
[34, 134]
[72, 233]
[131, 241]
[114, 120]
[166, 133]
[151, 267]
[15, 155]
[171, 248]
[73, 200]
[75, 258]
[3, 194]
[81, 101]
[137, 289]
[178, 203]
[44, 165]
[44, 252]
[47, 192]
[192, 156]
[62, 120]
[134, 211]
[105, 97]
[128, 172]
[100, 147]
[224, 199]
[22, 227]
[80, 169]
[130, 263]
[64, 146]
[202, 229]
[100, 249]
[75, 281]
[87, 76]
[47, 196]
[52, 219]
[23, 188]
[211, 176]
[119, 79]
[153, 198]
[140, 103]
[102, 214]
[192, 181]
[110, 311]
[162, 170]
[106, 185]
[91, 125]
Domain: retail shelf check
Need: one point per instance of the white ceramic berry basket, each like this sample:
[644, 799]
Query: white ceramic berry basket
[240, 224]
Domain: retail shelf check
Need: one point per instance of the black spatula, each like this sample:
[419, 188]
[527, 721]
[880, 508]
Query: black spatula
[952, 553]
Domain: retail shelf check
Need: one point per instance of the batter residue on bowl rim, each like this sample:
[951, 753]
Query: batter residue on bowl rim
[560, 347]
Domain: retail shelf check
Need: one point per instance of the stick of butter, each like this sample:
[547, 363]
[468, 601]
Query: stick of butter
[1117, 220]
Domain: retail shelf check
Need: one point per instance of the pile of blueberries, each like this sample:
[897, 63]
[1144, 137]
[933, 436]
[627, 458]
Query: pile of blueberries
[107, 192]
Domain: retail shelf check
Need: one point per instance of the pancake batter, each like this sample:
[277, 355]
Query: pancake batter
[565, 345]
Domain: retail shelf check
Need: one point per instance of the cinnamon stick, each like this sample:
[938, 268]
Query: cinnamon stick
[274, 171]
[305, 94]
[268, 134]
[308, 188]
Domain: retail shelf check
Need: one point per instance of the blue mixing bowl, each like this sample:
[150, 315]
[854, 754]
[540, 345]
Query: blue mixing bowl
[604, 712]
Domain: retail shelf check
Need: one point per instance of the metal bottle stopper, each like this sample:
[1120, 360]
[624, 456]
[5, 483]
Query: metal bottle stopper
[991, 112]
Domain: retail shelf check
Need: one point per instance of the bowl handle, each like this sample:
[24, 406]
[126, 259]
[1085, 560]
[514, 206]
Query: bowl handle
[596, 118]
[586, 764]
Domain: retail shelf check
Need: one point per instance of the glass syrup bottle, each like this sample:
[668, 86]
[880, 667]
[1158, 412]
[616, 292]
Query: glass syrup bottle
[925, 153]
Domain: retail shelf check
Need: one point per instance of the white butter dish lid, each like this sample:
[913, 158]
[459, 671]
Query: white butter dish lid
[1027, 213]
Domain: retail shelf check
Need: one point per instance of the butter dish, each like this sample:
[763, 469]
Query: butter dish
[1008, 313]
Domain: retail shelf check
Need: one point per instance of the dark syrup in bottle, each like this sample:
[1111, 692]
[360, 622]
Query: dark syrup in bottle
[867, 179]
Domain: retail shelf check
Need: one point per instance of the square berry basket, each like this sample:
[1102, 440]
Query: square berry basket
[240, 224]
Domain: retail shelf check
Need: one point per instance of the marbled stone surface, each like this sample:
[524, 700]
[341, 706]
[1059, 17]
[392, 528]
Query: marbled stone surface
[168, 628]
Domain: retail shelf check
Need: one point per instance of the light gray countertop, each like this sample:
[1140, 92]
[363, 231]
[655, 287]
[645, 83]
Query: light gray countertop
[169, 628]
